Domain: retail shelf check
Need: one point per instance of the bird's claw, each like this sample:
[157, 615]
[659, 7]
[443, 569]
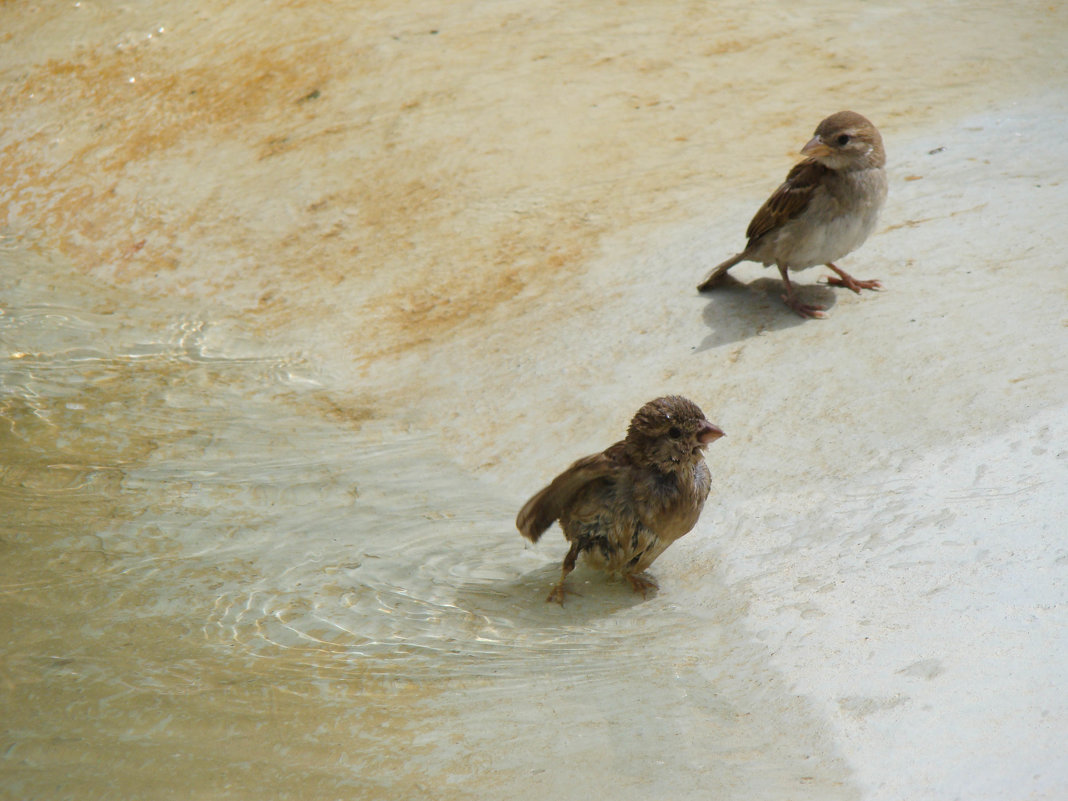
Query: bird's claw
[642, 583]
[805, 310]
[558, 593]
[853, 283]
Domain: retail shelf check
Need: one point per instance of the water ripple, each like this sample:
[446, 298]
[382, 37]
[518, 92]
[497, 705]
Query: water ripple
[209, 480]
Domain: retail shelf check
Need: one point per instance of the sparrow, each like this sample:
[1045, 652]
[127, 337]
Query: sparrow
[620, 509]
[825, 209]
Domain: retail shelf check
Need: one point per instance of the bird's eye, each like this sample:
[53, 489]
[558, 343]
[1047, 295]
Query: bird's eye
[674, 432]
[843, 139]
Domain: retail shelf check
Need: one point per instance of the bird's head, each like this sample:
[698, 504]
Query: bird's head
[846, 141]
[669, 433]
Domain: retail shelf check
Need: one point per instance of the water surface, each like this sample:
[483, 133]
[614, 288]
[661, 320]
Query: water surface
[211, 591]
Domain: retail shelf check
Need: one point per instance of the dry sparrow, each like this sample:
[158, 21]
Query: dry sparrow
[825, 209]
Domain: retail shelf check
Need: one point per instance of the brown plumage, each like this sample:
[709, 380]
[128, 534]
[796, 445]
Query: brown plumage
[620, 509]
[825, 209]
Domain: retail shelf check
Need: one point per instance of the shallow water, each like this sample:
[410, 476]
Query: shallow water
[285, 342]
[201, 578]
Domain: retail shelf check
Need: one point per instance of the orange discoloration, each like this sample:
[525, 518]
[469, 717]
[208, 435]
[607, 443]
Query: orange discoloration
[392, 209]
[418, 173]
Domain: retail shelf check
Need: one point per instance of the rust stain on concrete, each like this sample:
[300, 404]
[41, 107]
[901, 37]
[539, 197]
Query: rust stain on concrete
[416, 170]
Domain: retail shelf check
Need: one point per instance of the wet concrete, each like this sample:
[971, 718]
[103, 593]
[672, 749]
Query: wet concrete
[209, 591]
[301, 301]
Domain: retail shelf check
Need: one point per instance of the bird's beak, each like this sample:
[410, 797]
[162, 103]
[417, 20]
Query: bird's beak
[816, 149]
[709, 433]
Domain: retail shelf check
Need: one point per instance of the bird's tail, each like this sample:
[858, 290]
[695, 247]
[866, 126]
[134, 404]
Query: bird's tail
[545, 508]
[717, 274]
[537, 515]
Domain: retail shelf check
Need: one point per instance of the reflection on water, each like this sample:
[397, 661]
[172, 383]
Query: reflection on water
[210, 585]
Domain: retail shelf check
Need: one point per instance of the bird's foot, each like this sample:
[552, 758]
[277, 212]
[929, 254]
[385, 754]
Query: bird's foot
[805, 310]
[849, 282]
[642, 582]
[558, 593]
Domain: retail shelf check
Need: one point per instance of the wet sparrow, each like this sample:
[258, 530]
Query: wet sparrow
[824, 210]
[622, 508]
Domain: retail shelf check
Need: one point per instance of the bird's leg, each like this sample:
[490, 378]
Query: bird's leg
[791, 300]
[849, 282]
[558, 592]
[642, 582]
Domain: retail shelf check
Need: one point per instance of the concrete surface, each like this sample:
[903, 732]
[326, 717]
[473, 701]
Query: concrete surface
[302, 300]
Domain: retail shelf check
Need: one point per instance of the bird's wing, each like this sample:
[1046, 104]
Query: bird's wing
[789, 200]
[544, 508]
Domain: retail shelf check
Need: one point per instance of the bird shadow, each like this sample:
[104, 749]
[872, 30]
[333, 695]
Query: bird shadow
[737, 310]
